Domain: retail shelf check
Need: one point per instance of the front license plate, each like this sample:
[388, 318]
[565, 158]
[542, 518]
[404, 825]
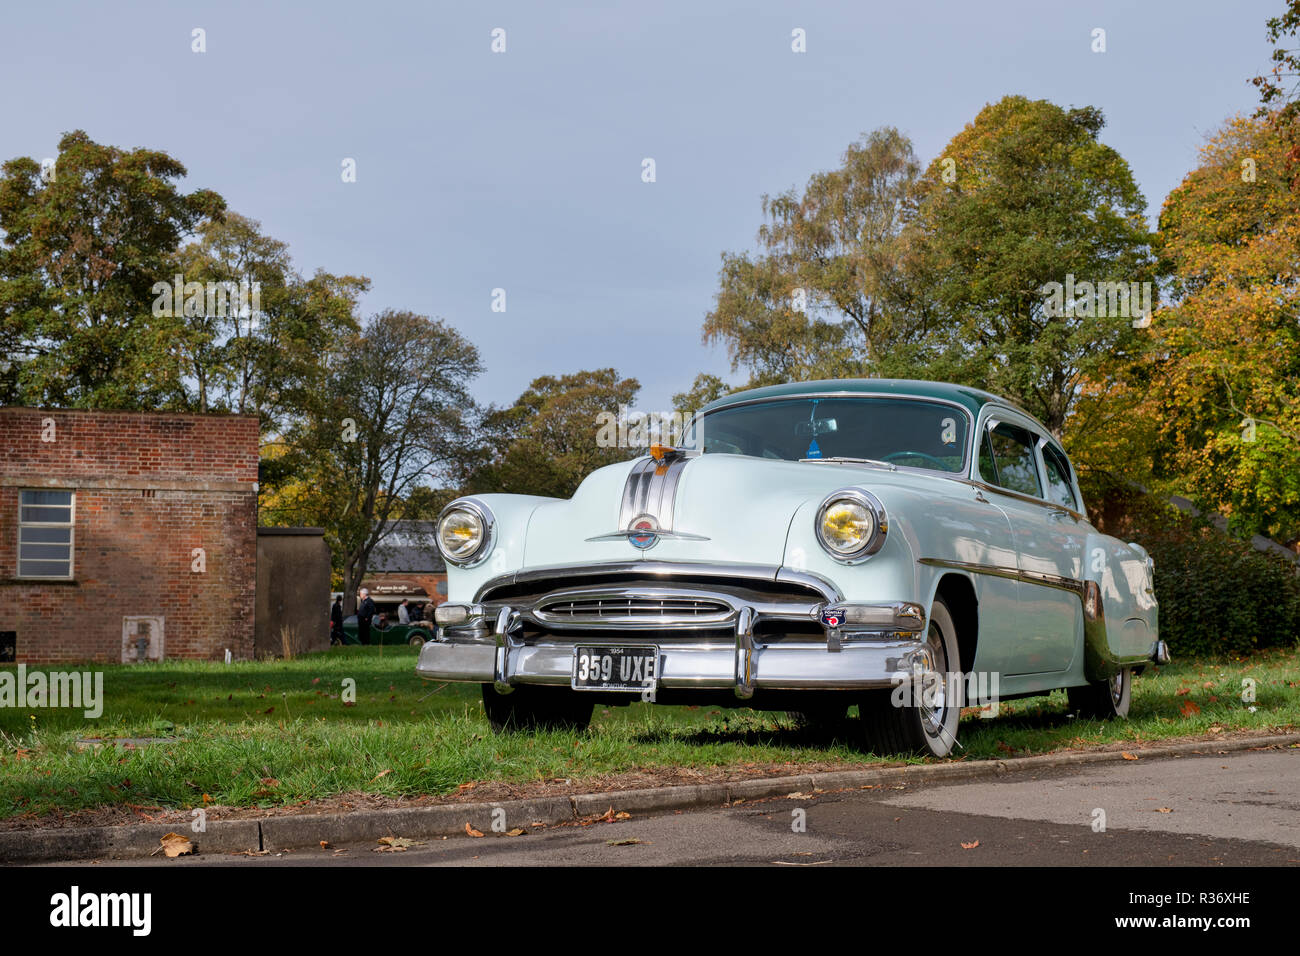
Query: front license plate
[615, 668]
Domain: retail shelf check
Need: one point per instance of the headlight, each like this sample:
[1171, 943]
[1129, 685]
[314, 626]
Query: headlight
[851, 525]
[465, 532]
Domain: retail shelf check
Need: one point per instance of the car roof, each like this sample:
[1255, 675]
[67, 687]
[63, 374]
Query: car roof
[972, 399]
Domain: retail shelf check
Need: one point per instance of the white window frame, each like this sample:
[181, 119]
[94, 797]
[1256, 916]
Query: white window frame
[70, 524]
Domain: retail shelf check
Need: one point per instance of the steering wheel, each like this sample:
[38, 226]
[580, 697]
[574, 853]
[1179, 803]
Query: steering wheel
[917, 454]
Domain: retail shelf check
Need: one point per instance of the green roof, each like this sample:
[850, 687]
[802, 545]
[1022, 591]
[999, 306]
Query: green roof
[971, 398]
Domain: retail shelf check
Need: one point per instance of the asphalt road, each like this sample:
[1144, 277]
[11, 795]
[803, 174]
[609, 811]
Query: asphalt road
[1239, 809]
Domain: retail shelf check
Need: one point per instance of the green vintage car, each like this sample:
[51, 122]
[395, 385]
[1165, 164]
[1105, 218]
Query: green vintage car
[414, 634]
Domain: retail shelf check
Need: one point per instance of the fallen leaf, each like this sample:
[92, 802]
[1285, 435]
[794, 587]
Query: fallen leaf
[472, 832]
[622, 815]
[969, 846]
[1164, 809]
[629, 842]
[174, 845]
[1189, 708]
[325, 844]
[392, 844]
[1128, 756]
[517, 831]
[382, 773]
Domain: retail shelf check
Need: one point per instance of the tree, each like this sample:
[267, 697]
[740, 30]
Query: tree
[83, 245]
[705, 389]
[1227, 388]
[261, 348]
[1022, 204]
[830, 294]
[1279, 88]
[551, 438]
[395, 414]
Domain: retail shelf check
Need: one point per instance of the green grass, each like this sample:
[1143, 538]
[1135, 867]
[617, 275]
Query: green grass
[270, 734]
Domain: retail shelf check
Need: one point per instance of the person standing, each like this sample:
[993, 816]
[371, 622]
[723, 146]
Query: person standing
[336, 621]
[365, 613]
[404, 612]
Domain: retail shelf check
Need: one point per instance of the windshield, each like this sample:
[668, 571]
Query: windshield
[911, 433]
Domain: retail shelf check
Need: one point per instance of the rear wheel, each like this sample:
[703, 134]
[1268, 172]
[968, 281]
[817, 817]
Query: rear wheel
[922, 717]
[1103, 699]
[536, 708]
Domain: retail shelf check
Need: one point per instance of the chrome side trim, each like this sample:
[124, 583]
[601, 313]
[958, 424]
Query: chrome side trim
[1099, 661]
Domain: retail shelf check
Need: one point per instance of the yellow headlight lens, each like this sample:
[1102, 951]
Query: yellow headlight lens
[460, 532]
[847, 526]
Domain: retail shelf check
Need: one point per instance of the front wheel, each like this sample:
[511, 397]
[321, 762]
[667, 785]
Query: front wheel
[536, 708]
[921, 716]
[1103, 699]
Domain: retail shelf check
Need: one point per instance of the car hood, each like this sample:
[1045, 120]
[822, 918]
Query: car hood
[720, 508]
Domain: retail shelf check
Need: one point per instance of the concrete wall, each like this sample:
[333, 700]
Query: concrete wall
[293, 589]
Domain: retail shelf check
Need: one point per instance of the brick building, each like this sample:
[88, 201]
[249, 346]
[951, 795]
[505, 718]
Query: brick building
[126, 535]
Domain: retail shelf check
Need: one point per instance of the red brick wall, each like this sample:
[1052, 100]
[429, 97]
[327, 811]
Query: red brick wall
[149, 489]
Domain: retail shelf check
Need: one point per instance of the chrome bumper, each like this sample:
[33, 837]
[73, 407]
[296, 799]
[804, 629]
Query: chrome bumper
[487, 645]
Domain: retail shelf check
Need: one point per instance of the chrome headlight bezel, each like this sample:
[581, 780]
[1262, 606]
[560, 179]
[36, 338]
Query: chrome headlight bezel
[872, 543]
[487, 540]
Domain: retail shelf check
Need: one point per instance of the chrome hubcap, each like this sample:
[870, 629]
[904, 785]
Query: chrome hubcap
[934, 692]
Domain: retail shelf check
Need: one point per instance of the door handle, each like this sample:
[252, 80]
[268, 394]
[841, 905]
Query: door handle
[1058, 513]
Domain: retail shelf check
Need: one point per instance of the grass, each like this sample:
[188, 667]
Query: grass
[277, 733]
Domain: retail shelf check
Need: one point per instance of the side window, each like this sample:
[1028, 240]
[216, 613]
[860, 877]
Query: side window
[1059, 490]
[1012, 451]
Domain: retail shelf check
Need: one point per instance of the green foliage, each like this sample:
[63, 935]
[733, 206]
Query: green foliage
[1030, 197]
[547, 442]
[79, 256]
[1218, 595]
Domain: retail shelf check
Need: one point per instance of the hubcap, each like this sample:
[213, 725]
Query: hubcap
[1117, 688]
[934, 696]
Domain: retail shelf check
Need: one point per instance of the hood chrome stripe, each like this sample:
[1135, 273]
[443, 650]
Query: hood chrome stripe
[651, 489]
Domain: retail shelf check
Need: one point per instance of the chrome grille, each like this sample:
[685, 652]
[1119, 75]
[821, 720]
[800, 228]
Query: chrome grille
[623, 608]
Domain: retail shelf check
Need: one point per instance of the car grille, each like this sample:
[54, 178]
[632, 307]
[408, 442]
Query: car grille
[632, 609]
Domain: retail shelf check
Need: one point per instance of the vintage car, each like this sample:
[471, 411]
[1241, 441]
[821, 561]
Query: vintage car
[387, 632]
[904, 547]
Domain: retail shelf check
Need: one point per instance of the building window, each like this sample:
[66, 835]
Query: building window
[45, 527]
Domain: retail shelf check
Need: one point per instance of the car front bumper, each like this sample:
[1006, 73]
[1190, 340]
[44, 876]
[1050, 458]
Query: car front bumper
[815, 645]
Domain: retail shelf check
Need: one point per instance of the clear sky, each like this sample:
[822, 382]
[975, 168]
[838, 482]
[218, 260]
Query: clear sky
[522, 170]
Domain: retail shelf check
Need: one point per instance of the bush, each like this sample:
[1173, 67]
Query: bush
[1218, 595]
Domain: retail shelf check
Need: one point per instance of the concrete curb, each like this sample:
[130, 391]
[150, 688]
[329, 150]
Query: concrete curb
[449, 819]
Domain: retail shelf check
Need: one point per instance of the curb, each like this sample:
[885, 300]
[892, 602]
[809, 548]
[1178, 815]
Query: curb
[450, 819]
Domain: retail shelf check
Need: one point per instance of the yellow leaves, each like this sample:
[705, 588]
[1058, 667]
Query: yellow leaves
[470, 831]
[393, 844]
[174, 845]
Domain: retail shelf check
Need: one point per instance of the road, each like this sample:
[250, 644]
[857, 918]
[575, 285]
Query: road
[1239, 809]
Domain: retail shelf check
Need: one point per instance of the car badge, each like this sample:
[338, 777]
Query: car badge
[641, 535]
[832, 617]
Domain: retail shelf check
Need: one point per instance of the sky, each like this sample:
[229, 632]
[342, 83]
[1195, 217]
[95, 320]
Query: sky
[522, 170]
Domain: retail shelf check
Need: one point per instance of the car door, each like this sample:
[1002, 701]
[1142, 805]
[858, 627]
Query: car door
[1047, 542]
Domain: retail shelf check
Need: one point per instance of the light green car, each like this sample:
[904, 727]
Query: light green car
[906, 547]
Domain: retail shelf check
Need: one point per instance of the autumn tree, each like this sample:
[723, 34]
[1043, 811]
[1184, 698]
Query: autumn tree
[1227, 391]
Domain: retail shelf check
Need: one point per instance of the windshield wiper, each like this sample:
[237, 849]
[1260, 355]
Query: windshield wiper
[841, 460]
